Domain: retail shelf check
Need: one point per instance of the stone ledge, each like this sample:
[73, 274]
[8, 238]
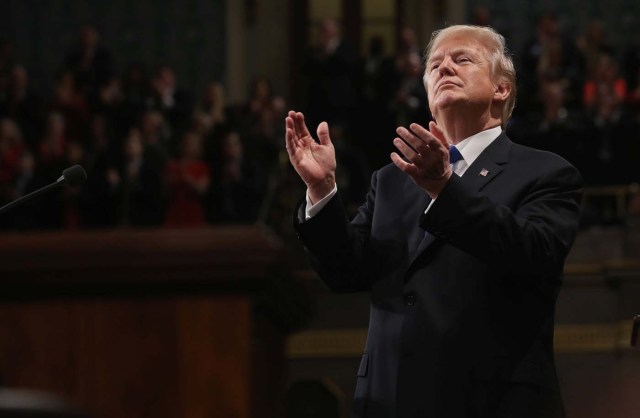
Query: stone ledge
[569, 338]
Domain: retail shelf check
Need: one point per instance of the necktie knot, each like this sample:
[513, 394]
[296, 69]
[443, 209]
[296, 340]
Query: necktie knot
[454, 155]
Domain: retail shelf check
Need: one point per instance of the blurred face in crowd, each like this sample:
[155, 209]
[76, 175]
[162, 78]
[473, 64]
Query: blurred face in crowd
[595, 32]
[134, 146]
[214, 94]
[408, 38]
[10, 135]
[136, 75]
[166, 78]
[552, 94]
[111, 93]
[548, 25]
[19, 78]
[75, 153]
[89, 37]
[55, 125]
[410, 64]
[233, 146]
[606, 68]
[459, 73]
[99, 132]
[191, 146]
[327, 31]
[27, 163]
[261, 89]
[151, 122]
[201, 123]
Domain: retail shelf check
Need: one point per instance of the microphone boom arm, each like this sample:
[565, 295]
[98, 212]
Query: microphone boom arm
[30, 196]
[75, 176]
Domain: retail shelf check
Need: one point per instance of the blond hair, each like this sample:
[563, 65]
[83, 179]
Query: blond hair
[502, 68]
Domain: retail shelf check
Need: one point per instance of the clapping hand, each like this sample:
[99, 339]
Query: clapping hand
[426, 157]
[315, 162]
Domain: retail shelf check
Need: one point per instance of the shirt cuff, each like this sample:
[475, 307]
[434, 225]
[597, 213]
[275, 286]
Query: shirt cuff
[312, 210]
[429, 206]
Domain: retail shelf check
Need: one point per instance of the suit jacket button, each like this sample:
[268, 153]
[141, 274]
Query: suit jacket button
[409, 299]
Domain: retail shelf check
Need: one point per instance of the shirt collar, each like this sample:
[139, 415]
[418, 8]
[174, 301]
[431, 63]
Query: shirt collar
[472, 147]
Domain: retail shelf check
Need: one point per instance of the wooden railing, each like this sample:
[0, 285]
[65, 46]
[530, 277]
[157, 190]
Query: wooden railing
[157, 323]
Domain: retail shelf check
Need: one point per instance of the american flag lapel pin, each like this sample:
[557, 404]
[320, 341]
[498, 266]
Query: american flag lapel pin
[484, 172]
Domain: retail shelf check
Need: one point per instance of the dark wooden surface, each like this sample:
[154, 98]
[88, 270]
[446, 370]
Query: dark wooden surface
[213, 256]
[164, 323]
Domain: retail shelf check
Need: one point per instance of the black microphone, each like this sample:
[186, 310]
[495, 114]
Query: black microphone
[73, 176]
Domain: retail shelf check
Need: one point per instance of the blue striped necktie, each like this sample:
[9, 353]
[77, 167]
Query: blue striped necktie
[454, 155]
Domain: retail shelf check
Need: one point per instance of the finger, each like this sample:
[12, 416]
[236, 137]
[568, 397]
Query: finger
[433, 142]
[406, 167]
[300, 126]
[290, 142]
[289, 126]
[288, 122]
[409, 153]
[437, 132]
[415, 142]
[323, 133]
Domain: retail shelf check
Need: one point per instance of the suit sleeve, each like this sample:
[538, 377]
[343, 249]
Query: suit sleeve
[533, 237]
[339, 249]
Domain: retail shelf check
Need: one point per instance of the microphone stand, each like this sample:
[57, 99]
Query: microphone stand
[75, 176]
[32, 195]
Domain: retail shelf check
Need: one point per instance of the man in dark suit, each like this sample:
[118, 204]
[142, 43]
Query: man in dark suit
[461, 248]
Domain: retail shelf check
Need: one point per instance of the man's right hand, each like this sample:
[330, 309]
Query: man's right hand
[314, 162]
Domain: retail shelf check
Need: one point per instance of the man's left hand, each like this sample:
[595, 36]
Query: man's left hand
[426, 157]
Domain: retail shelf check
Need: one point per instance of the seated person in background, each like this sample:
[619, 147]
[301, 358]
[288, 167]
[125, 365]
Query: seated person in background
[187, 179]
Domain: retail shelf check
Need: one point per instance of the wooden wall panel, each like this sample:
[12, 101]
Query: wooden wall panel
[215, 356]
[134, 324]
[131, 358]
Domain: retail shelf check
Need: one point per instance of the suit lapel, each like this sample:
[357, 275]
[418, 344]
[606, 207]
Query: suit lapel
[419, 202]
[488, 164]
[427, 241]
[485, 168]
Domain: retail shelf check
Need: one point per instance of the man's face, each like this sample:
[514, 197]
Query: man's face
[459, 73]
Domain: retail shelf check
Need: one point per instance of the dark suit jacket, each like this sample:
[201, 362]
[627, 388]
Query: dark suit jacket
[462, 298]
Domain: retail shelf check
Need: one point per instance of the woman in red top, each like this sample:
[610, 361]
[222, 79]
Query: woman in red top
[605, 77]
[188, 180]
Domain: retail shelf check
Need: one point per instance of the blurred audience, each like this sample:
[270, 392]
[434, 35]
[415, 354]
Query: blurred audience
[187, 179]
[604, 77]
[331, 68]
[171, 100]
[211, 112]
[261, 124]
[156, 157]
[375, 118]
[89, 62]
[139, 181]
[237, 186]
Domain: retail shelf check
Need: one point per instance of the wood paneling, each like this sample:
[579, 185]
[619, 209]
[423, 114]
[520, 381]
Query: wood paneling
[143, 323]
